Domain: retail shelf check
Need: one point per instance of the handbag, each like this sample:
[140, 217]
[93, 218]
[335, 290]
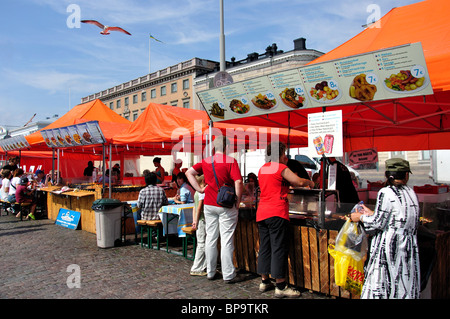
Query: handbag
[226, 195]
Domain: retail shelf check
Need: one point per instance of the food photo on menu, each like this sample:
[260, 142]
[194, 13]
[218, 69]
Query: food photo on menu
[264, 102]
[322, 92]
[291, 98]
[404, 81]
[362, 90]
[217, 111]
[237, 106]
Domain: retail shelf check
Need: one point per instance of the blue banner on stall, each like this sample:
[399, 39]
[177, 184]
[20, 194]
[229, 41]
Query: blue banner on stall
[68, 218]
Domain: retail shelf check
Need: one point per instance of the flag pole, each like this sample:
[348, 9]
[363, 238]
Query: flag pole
[149, 41]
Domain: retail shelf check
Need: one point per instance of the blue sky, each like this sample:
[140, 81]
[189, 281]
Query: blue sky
[46, 67]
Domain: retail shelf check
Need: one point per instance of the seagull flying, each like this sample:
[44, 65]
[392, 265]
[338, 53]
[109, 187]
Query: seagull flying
[105, 28]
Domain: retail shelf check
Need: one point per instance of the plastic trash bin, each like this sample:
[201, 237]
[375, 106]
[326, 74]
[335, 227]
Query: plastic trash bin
[108, 221]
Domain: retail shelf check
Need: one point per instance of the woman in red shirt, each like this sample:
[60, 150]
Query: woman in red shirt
[272, 217]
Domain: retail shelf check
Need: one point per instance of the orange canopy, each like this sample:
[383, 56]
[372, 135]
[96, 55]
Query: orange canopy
[110, 122]
[413, 123]
[163, 126]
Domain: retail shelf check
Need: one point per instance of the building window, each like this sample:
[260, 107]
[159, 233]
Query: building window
[127, 101]
[153, 93]
[425, 155]
[126, 117]
[111, 105]
[186, 104]
[186, 84]
[173, 87]
[398, 154]
[118, 104]
[135, 99]
[144, 96]
[163, 90]
[174, 103]
[135, 115]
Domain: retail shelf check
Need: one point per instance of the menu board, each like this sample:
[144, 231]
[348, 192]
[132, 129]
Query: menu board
[87, 133]
[385, 74]
[14, 143]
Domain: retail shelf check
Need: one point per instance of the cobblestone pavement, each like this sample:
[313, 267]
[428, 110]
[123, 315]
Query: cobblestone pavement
[40, 260]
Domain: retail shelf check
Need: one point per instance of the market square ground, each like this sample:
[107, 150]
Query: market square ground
[38, 261]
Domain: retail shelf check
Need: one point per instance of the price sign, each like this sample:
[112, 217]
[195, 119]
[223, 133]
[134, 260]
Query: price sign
[372, 78]
[333, 85]
[418, 71]
[299, 90]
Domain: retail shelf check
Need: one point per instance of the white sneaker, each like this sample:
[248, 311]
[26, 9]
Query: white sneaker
[287, 292]
[10, 210]
[264, 287]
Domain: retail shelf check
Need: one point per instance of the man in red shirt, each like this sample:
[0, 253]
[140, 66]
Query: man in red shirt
[218, 219]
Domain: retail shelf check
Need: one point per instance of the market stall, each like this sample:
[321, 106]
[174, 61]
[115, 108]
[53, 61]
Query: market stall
[392, 89]
[81, 135]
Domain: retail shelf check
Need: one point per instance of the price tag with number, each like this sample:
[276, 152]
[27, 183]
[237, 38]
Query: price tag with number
[371, 78]
[332, 84]
[270, 95]
[299, 90]
[418, 71]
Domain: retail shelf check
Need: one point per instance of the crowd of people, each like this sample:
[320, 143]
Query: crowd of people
[396, 203]
[395, 217]
[19, 187]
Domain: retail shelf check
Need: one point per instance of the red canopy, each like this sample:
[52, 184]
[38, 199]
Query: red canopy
[413, 123]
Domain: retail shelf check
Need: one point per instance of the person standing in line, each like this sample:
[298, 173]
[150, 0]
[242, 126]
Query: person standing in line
[272, 216]
[218, 219]
[393, 268]
[198, 224]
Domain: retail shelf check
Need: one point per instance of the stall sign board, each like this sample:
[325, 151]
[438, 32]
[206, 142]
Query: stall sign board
[372, 76]
[87, 133]
[68, 218]
[325, 134]
[14, 143]
[365, 156]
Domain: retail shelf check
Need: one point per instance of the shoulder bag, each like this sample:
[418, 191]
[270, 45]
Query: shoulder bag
[226, 195]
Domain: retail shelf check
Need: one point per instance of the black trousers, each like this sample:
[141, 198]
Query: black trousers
[273, 247]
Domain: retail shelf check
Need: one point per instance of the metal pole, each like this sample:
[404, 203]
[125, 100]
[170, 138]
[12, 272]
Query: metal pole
[103, 169]
[210, 123]
[222, 39]
[110, 169]
[324, 187]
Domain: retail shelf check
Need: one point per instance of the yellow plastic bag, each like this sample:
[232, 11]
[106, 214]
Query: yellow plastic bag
[352, 240]
[348, 272]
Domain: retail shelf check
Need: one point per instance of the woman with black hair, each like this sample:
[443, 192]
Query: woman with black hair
[159, 171]
[185, 191]
[393, 269]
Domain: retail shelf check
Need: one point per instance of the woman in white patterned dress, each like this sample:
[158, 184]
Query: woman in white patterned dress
[393, 269]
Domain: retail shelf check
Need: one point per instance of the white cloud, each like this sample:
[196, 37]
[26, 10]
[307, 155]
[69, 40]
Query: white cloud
[53, 81]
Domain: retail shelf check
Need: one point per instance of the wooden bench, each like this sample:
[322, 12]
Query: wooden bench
[23, 207]
[190, 237]
[150, 225]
